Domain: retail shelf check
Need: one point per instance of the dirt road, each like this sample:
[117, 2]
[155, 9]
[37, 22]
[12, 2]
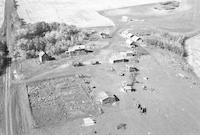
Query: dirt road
[8, 103]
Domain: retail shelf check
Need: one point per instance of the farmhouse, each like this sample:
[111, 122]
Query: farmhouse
[43, 56]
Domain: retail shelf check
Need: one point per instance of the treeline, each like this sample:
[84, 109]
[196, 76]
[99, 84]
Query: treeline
[53, 38]
[169, 41]
[3, 53]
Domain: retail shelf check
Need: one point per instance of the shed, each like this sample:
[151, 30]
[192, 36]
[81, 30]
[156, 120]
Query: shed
[129, 35]
[118, 58]
[124, 33]
[127, 89]
[136, 38]
[43, 56]
[129, 41]
[125, 19]
[76, 48]
[105, 97]
[128, 53]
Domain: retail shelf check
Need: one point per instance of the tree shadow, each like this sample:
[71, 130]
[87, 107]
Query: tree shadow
[4, 63]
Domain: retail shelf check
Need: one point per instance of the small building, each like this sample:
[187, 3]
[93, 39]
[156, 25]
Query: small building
[131, 68]
[76, 48]
[124, 33]
[105, 35]
[128, 53]
[106, 98]
[129, 35]
[124, 18]
[128, 89]
[129, 41]
[136, 39]
[118, 58]
[43, 57]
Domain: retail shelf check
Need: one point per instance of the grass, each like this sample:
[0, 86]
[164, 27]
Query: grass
[172, 42]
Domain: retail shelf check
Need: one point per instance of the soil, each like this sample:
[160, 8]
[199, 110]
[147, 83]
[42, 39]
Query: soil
[60, 99]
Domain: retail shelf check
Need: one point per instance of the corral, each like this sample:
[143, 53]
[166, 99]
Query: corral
[60, 99]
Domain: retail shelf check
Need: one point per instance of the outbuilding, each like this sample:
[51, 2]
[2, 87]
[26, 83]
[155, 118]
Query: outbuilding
[76, 48]
[125, 19]
[136, 39]
[118, 58]
[124, 33]
[129, 35]
[128, 53]
[129, 41]
[105, 97]
[43, 57]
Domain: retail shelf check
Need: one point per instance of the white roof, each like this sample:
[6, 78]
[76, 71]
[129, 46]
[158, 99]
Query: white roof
[125, 18]
[102, 95]
[125, 54]
[119, 56]
[41, 53]
[129, 41]
[76, 47]
[135, 38]
[129, 35]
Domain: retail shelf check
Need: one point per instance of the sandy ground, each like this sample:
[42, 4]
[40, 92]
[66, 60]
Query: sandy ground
[81, 13]
[2, 4]
[193, 48]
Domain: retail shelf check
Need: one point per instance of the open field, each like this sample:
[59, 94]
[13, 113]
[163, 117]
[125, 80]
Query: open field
[2, 5]
[81, 13]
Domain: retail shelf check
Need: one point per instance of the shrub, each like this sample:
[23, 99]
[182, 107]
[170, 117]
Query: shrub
[54, 38]
[169, 41]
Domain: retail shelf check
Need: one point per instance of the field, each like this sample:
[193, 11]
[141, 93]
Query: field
[81, 13]
[2, 4]
[60, 99]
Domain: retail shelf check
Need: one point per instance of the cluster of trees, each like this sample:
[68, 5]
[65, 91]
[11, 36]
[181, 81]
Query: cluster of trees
[53, 38]
[3, 53]
[168, 41]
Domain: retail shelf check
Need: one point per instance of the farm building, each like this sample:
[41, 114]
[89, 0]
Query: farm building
[128, 53]
[105, 97]
[43, 57]
[125, 19]
[133, 39]
[129, 35]
[124, 33]
[78, 48]
[129, 41]
[136, 39]
[118, 58]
